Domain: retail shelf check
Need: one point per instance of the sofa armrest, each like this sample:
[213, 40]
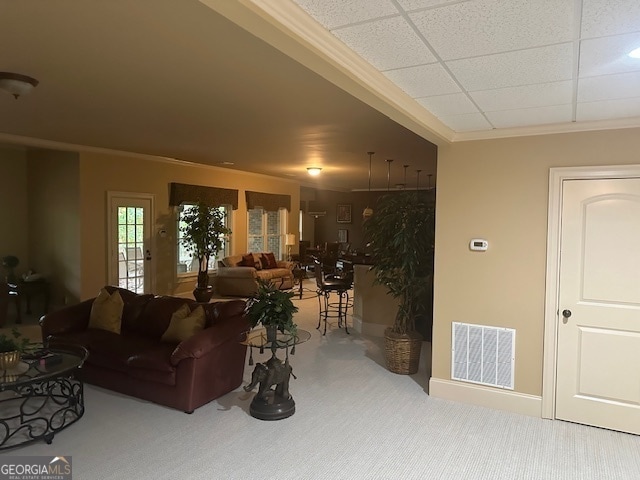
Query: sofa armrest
[231, 329]
[236, 272]
[285, 264]
[74, 318]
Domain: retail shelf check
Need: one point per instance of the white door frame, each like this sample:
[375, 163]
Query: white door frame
[551, 311]
[152, 239]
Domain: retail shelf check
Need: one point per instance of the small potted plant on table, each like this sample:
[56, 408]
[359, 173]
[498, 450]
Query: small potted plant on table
[11, 349]
[273, 309]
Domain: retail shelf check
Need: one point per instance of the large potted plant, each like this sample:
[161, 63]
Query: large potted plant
[400, 236]
[202, 230]
[273, 309]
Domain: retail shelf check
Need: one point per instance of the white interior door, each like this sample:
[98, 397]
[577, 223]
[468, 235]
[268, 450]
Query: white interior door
[598, 348]
[130, 249]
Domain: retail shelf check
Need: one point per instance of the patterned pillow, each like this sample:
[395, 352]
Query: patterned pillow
[247, 261]
[271, 259]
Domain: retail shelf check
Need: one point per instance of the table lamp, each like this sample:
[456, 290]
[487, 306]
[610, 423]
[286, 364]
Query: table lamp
[289, 241]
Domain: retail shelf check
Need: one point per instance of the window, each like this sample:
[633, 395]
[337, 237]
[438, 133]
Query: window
[188, 265]
[266, 231]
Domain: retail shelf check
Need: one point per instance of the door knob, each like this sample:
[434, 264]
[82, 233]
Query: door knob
[566, 313]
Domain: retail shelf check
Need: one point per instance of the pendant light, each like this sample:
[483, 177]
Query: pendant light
[368, 211]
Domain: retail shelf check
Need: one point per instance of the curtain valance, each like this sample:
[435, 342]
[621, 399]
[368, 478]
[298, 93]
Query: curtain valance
[212, 196]
[271, 202]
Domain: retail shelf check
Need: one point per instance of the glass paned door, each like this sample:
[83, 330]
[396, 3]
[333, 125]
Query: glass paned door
[130, 265]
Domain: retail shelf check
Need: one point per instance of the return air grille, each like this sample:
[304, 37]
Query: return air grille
[482, 354]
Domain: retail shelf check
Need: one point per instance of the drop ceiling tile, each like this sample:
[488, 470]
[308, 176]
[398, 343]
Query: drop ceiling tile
[409, 5]
[609, 87]
[336, 13]
[466, 123]
[607, 109]
[601, 18]
[602, 56]
[484, 27]
[525, 67]
[447, 105]
[531, 116]
[423, 80]
[388, 43]
[526, 96]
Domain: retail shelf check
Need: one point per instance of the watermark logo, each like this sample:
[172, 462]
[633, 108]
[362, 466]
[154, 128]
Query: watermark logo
[33, 467]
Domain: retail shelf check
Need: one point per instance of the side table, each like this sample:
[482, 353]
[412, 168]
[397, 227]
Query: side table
[268, 403]
[27, 290]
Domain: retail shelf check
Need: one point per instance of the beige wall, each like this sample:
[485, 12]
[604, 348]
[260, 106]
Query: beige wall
[100, 173]
[498, 190]
[54, 222]
[14, 207]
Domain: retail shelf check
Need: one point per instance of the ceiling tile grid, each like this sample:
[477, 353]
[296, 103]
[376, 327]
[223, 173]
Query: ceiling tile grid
[388, 44]
[488, 64]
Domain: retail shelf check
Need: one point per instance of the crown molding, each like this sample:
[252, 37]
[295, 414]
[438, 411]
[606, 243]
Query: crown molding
[551, 129]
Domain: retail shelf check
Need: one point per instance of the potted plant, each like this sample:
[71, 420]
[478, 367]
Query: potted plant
[202, 229]
[401, 240]
[11, 348]
[273, 309]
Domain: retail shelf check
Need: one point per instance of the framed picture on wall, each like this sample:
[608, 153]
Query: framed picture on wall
[343, 214]
[343, 235]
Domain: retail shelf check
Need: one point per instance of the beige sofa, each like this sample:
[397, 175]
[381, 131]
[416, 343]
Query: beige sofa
[235, 278]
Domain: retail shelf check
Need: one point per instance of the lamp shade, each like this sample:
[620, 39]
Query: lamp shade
[290, 239]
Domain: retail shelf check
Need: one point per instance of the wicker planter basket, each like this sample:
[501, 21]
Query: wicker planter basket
[9, 360]
[402, 352]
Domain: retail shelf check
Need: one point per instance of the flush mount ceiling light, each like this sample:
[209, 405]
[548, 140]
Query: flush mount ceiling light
[314, 171]
[16, 84]
[634, 53]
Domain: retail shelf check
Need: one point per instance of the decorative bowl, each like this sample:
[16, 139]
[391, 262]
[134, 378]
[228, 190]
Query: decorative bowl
[9, 360]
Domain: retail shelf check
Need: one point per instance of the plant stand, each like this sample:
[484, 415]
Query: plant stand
[268, 403]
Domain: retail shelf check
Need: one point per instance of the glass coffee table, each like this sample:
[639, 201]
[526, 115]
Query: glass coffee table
[40, 397]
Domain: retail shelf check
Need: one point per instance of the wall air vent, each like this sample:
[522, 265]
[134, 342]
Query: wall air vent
[482, 354]
[316, 210]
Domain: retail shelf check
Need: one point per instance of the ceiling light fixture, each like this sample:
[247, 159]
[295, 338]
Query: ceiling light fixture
[368, 211]
[16, 84]
[314, 171]
[634, 53]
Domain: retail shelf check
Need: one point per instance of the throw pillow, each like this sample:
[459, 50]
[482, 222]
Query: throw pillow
[247, 261]
[106, 311]
[264, 261]
[271, 259]
[184, 324]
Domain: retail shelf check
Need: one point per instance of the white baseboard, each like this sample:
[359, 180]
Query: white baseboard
[498, 399]
[373, 329]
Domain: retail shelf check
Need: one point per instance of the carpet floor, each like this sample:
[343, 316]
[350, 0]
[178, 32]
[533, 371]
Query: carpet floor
[354, 420]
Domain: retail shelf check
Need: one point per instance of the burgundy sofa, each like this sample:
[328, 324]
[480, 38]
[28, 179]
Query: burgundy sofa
[135, 362]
